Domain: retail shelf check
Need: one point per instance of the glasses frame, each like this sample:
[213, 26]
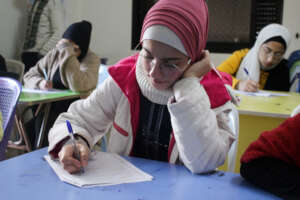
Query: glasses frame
[269, 52]
[165, 67]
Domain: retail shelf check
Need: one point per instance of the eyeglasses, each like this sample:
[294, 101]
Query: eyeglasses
[166, 66]
[268, 52]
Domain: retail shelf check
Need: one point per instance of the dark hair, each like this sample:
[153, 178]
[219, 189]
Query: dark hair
[277, 39]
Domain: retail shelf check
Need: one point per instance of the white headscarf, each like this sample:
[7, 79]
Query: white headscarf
[250, 61]
[164, 35]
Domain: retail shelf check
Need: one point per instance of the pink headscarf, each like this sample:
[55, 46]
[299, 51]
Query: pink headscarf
[188, 19]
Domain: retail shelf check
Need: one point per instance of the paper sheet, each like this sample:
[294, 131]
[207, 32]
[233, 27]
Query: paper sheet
[261, 93]
[28, 90]
[103, 169]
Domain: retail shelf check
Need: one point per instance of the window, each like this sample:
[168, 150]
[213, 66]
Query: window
[233, 24]
[139, 10]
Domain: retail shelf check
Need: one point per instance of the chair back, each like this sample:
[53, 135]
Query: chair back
[10, 90]
[15, 66]
[234, 126]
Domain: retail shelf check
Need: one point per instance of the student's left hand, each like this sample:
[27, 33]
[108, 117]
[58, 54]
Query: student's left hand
[200, 68]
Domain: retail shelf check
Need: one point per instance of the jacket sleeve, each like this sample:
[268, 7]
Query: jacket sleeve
[232, 64]
[79, 76]
[99, 111]
[202, 135]
[55, 15]
[35, 75]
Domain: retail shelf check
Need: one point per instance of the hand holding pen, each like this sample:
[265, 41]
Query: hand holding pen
[45, 84]
[74, 154]
[247, 85]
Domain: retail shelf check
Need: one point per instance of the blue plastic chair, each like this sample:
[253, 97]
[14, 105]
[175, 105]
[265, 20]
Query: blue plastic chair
[294, 67]
[10, 90]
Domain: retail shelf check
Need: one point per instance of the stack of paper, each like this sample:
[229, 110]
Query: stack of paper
[103, 169]
[39, 91]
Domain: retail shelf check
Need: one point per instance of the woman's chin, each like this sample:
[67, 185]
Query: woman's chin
[159, 85]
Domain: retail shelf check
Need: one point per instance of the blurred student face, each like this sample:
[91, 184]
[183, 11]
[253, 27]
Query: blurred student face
[270, 54]
[162, 64]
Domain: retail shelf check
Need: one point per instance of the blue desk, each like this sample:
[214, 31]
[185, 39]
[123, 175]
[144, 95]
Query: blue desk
[30, 177]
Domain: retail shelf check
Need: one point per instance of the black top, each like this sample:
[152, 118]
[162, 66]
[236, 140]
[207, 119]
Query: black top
[279, 78]
[153, 135]
[57, 83]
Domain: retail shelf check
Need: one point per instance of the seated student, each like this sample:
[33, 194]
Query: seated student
[263, 66]
[164, 103]
[43, 31]
[70, 65]
[273, 160]
[3, 69]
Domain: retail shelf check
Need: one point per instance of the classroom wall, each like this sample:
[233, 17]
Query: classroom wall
[12, 26]
[111, 21]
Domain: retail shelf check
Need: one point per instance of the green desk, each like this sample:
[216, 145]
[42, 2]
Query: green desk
[258, 114]
[33, 98]
[44, 100]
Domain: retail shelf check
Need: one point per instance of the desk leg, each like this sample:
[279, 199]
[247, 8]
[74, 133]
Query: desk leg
[22, 134]
[41, 135]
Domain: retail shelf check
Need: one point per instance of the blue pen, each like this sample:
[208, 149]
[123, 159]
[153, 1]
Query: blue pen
[45, 74]
[76, 151]
[246, 71]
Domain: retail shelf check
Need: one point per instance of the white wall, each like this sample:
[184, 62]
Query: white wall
[12, 26]
[111, 21]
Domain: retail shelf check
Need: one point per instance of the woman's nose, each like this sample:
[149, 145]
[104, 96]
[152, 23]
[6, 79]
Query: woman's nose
[270, 58]
[155, 68]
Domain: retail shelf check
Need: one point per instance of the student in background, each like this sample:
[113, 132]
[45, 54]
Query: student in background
[263, 66]
[164, 103]
[273, 160]
[43, 31]
[70, 65]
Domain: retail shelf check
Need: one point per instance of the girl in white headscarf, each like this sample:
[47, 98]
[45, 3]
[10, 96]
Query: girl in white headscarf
[263, 66]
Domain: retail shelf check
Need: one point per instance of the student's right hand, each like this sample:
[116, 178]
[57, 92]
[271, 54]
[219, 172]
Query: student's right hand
[248, 86]
[199, 68]
[45, 85]
[71, 164]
